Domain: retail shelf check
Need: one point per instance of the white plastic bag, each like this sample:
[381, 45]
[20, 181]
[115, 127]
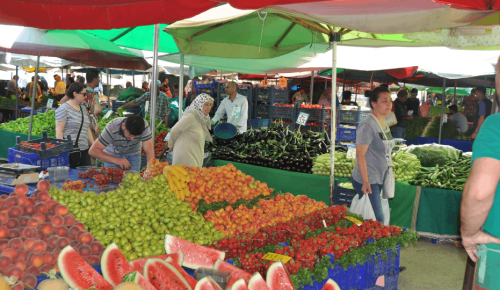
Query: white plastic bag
[391, 119]
[387, 211]
[363, 207]
[389, 185]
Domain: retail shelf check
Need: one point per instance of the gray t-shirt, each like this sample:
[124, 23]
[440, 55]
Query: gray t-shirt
[379, 150]
[11, 86]
[459, 120]
[73, 119]
[116, 144]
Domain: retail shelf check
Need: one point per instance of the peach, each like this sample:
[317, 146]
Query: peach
[39, 247]
[21, 189]
[94, 260]
[52, 241]
[86, 238]
[49, 215]
[69, 220]
[40, 235]
[85, 251]
[4, 232]
[62, 243]
[29, 233]
[55, 267]
[11, 253]
[31, 270]
[11, 201]
[31, 201]
[61, 210]
[49, 259]
[43, 185]
[5, 262]
[57, 220]
[4, 218]
[52, 204]
[16, 244]
[80, 226]
[22, 255]
[2, 202]
[40, 217]
[33, 223]
[4, 210]
[41, 207]
[61, 231]
[45, 268]
[20, 263]
[15, 212]
[23, 200]
[28, 244]
[12, 223]
[29, 209]
[47, 228]
[35, 260]
[4, 244]
[23, 221]
[97, 247]
[73, 231]
[16, 271]
[43, 196]
[14, 234]
[30, 281]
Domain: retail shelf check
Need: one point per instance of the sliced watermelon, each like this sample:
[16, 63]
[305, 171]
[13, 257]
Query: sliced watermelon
[192, 281]
[114, 266]
[257, 283]
[239, 285]
[77, 273]
[163, 275]
[331, 285]
[195, 256]
[139, 279]
[207, 283]
[236, 273]
[278, 277]
[138, 264]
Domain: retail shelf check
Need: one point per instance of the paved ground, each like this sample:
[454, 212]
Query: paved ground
[431, 266]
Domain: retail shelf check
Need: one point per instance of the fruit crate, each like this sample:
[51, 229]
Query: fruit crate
[16, 156]
[205, 87]
[316, 115]
[346, 134]
[391, 283]
[350, 278]
[271, 94]
[261, 111]
[320, 129]
[376, 266]
[353, 116]
[243, 89]
[276, 112]
[315, 286]
[61, 146]
[343, 195]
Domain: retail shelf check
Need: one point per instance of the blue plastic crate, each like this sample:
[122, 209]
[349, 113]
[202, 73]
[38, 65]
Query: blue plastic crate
[261, 111]
[257, 123]
[353, 116]
[391, 283]
[243, 89]
[277, 112]
[353, 277]
[376, 266]
[346, 134]
[61, 145]
[316, 115]
[16, 156]
[211, 85]
[271, 94]
[342, 195]
[315, 286]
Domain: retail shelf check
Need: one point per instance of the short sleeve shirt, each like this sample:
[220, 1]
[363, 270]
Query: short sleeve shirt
[486, 146]
[459, 120]
[378, 155]
[73, 119]
[163, 106]
[116, 144]
[11, 86]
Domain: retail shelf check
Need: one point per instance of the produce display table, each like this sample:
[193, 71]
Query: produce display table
[9, 141]
[463, 145]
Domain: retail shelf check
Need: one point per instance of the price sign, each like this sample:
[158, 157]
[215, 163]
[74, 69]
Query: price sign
[356, 221]
[410, 112]
[351, 152]
[276, 257]
[50, 103]
[108, 114]
[302, 118]
[236, 112]
[146, 107]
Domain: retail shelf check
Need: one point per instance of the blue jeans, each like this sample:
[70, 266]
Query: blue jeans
[374, 198]
[134, 160]
[398, 132]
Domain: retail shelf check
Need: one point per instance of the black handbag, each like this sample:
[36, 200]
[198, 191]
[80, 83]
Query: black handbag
[75, 155]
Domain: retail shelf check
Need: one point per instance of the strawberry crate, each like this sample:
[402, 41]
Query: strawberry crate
[278, 112]
[271, 94]
[346, 134]
[342, 195]
[61, 146]
[377, 266]
[353, 116]
[350, 278]
[16, 156]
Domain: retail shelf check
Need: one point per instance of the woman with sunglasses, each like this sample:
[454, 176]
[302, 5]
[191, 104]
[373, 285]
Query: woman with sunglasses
[69, 118]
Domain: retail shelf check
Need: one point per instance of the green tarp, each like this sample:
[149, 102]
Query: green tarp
[439, 212]
[9, 141]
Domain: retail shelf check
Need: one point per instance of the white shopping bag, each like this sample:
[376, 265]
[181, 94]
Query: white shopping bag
[387, 211]
[363, 207]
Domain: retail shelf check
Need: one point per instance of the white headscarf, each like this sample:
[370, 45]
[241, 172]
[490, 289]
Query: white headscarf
[196, 109]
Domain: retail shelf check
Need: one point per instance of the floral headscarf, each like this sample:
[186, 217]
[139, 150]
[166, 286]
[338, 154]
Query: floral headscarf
[196, 108]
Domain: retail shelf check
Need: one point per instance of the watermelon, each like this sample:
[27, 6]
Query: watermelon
[114, 266]
[236, 273]
[330, 285]
[163, 275]
[239, 285]
[138, 264]
[278, 277]
[195, 256]
[257, 283]
[139, 279]
[207, 283]
[77, 273]
[192, 281]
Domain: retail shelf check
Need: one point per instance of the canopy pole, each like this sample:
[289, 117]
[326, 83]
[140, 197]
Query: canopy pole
[343, 86]
[133, 78]
[33, 96]
[455, 94]
[154, 89]
[17, 93]
[181, 87]
[443, 100]
[333, 123]
[108, 80]
[312, 88]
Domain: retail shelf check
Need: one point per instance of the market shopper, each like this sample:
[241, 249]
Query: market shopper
[326, 98]
[11, 88]
[399, 130]
[236, 103]
[120, 143]
[163, 107]
[458, 119]
[60, 88]
[165, 88]
[72, 119]
[413, 104]
[374, 145]
[29, 90]
[145, 86]
[300, 97]
[187, 138]
[484, 109]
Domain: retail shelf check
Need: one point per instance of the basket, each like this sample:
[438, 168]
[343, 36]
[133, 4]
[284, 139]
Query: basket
[16, 156]
[352, 116]
[376, 267]
[343, 195]
[276, 112]
[346, 134]
[61, 146]
[352, 278]
[225, 131]
[116, 104]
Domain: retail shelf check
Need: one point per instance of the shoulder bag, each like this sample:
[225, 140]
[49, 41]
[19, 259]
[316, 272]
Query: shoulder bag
[389, 180]
[75, 155]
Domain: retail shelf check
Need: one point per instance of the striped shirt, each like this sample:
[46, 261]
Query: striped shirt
[73, 119]
[116, 144]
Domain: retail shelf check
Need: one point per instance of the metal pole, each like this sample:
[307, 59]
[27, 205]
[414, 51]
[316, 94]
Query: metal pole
[133, 78]
[108, 81]
[343, 86]
[33, 96]
[312, 88]
[356, 96]
[154, 89]
[333, 119]
[443, 100]
[17, 93]
[181, 87]
[455, 94]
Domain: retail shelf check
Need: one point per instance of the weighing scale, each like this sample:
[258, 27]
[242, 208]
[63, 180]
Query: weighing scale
[17, 173]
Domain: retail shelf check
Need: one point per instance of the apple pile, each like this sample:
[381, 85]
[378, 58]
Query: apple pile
[282, 208]
[33, 231]
[223, 183]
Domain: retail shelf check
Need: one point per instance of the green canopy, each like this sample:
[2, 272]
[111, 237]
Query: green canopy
[460, 91]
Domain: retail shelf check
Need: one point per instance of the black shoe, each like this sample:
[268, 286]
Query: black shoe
[401, 268]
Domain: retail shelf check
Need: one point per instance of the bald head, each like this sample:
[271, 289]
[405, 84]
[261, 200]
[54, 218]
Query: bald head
[231, 89]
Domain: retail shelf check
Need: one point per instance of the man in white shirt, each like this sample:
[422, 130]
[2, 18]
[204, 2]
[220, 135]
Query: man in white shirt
[458, 119]
[233, 102]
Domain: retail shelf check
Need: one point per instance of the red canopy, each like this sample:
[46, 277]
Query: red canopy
[473, 4]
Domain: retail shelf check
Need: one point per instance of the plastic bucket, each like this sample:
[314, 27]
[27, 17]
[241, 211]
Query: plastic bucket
[225, 131]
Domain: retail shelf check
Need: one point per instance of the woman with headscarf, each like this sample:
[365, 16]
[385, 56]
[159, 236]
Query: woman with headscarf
[60, 89]
[187, 138]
